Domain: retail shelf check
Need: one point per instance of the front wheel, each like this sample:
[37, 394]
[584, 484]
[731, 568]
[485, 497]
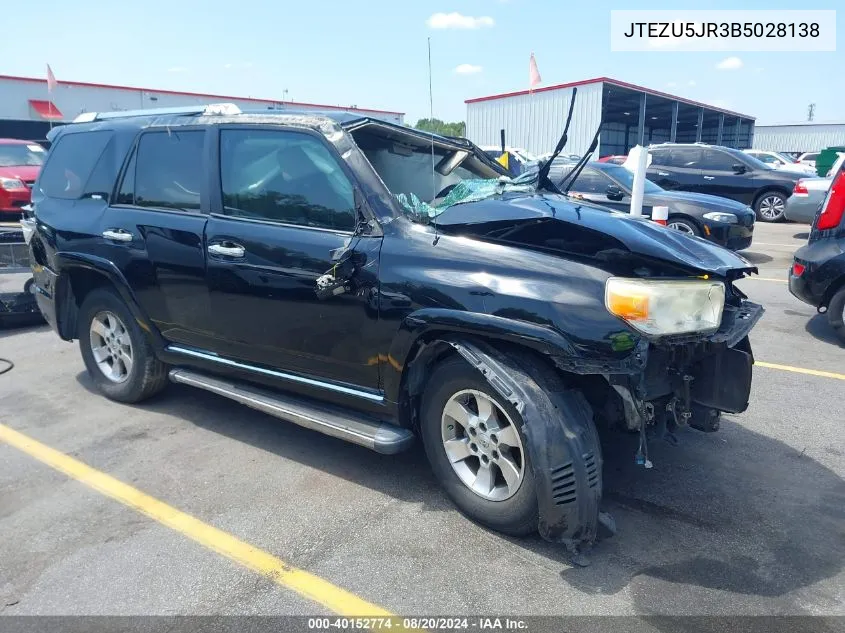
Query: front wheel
[684, 226]
[474, 442]
[117, 354]
[770, 206]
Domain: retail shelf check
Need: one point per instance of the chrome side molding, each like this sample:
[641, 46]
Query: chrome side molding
[311, 382]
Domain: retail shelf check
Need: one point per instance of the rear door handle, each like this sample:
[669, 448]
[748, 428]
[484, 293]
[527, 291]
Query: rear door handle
[118, 235]
[709, 177]
[663, 173]
[227, 249]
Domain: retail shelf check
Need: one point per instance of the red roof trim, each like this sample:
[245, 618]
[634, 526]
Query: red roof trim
[46, 109]
[85, 84]
[615, 82]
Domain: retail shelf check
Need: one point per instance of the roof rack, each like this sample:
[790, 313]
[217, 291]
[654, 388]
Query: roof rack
[210, 109]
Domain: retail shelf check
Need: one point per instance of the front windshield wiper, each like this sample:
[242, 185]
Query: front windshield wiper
[543, 181]
[569, 178]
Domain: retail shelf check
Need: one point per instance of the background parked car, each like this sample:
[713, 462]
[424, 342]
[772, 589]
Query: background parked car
[518, 159]
[808, 158]
[776, 160]
[616, 160]
[806, 199]
[818, 270]
[720, 220]
[20, 162]
[722, 171]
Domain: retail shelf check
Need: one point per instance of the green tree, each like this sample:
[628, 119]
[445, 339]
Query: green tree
[458, 128]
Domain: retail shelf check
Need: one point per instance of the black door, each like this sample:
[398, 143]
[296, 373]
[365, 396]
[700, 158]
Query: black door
[153, 232]
[284, 204]
[676, 168]
[724, 174]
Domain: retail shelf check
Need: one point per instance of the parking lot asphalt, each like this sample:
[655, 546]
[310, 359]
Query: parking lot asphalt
[746, 521]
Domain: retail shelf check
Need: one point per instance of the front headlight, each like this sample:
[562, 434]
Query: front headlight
[11, 183]
[659, 307]
[727, 218]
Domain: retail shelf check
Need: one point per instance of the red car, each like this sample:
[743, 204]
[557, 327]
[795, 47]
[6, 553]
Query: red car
[19, 165]
[616, 160]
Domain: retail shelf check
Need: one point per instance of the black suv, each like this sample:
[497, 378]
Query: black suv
[377, 283]
[722, 171]
[817, 275]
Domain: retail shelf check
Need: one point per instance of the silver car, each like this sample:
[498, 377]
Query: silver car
[806, 199]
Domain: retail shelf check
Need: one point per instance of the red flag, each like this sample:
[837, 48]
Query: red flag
[51, 80]
[533, 73]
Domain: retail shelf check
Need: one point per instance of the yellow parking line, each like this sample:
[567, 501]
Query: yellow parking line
[305, 584]
[801, 370]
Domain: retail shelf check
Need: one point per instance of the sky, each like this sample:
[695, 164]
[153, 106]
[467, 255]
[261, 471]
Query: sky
[373, 53]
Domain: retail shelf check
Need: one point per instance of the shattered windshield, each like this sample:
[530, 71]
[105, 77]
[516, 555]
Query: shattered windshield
[427, 180]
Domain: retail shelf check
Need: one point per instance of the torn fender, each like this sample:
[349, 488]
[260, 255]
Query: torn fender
[562, 442]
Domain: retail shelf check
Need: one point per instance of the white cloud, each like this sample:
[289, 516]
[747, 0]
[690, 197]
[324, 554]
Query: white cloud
[456, 20]
[177, 69]
[467, 69]
[672, 84]
[730, 63]
[691, 82]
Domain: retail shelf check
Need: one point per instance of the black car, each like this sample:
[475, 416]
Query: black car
[725, 222]
[817, 275]
[722, 171]
[299, 264]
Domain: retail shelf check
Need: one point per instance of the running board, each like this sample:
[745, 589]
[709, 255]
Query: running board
[378, 436]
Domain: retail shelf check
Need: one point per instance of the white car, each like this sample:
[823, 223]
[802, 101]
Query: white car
[776, 160]
[809, 158]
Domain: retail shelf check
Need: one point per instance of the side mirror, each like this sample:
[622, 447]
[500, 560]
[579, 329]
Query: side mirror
[614, 193]
[739, 168]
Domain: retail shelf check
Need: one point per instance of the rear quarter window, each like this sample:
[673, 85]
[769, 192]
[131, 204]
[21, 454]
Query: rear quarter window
[72, 162]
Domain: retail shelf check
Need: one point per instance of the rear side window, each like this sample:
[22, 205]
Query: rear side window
[684, 158]
[717, 161]
[167, 171]
[591, 181]
[71, 165]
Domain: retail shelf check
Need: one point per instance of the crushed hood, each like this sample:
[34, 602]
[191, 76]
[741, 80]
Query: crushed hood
[585, 230]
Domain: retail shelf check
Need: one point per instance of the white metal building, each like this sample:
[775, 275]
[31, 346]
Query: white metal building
[799, 137]
[27, 109]
[628, 115]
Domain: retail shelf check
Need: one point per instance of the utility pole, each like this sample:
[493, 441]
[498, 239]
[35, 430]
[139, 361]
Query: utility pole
[811, 111]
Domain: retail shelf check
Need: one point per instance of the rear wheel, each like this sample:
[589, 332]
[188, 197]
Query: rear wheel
[836, 313]
[117, 354]
[474, 442]
[769, 206]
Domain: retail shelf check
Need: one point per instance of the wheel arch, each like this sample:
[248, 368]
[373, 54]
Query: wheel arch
[79, 275]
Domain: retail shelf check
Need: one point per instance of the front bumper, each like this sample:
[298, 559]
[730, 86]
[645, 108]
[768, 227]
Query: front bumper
[732, 236]
[13, 201]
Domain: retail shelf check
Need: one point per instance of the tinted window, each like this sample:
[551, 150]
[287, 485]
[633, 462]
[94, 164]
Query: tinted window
[766, 158]
[286, 177]
[126, 194]
[659, 156]
[70, 164]
[718, 161]
[684, 157]
[14, 154]
[168, 170]
[591, 181]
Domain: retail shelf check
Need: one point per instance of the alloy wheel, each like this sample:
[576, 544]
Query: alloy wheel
[771, 207]
[483, 445]
[680, 226]
[111, 346]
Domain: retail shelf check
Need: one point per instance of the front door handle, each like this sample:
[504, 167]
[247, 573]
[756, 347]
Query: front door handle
[663, 173]
[226, 250]
[118, 235]
[709, 177]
